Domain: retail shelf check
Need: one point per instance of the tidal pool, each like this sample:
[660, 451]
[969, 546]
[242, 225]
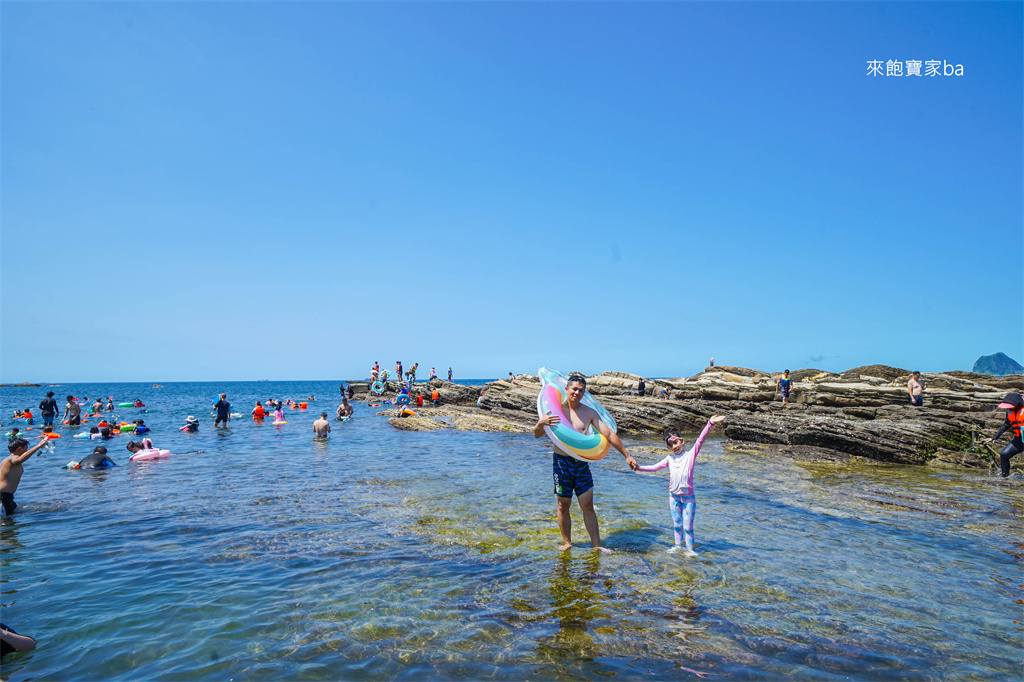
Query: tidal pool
[382, 554]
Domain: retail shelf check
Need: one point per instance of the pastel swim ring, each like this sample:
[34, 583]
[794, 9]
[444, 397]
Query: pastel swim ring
[586, 447]
[377, 388]
[402, 400]
[149, 454]
[279, 423]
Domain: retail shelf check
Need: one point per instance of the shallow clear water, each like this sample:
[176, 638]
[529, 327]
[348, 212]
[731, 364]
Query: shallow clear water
[382, 554]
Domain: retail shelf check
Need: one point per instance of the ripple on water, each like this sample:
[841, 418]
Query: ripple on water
[385, 554]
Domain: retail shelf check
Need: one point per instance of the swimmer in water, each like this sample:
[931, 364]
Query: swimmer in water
[681, 499]
[278, 412]
[72, 412]
[321, 427]
[345, 409]
[12, 641]
[97, 460]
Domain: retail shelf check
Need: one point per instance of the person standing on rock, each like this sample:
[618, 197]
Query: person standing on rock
[915, 387]
[783, 385]
[449, 375]
[641, 388]
[572, 475]
[1013, 403]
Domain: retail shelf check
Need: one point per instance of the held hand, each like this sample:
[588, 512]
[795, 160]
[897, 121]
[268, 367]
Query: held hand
[631, 462]
[717, 418]
[549, 419]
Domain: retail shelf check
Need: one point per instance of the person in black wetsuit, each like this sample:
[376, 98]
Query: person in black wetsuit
[1013, 403]
[641, 388]
[48, 409]
[12, 641]
[97, 460]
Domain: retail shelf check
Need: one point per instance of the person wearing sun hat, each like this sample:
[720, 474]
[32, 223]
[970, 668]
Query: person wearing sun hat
[1013, 403]
[191, 425]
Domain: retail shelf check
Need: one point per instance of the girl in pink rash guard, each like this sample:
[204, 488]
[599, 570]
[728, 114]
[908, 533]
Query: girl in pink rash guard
[681, 499]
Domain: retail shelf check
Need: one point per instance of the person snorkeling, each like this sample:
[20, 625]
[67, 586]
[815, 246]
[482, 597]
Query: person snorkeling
[1013, 403]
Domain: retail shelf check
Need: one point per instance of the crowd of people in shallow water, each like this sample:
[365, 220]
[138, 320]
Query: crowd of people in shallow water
[571, 475]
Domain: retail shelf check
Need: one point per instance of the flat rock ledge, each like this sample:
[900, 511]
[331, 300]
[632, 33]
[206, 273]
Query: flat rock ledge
[859, 413]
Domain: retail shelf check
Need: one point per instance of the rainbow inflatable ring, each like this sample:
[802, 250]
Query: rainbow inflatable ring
[586, 447]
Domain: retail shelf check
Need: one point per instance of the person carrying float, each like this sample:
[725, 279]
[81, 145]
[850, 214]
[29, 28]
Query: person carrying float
[581, 432]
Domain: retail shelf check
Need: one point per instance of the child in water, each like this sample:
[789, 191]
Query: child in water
[681, 499]
[278, 413]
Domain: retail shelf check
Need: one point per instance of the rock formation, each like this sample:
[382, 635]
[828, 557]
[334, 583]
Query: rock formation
[862, 412]
[998, 365]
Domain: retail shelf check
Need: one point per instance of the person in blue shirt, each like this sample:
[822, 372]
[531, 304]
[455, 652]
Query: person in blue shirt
[783, 385]
[449, 375]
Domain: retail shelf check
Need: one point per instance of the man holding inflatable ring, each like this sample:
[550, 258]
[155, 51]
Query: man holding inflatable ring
[572, 475]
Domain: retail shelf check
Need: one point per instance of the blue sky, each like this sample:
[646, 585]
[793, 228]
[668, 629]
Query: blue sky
[231, 191]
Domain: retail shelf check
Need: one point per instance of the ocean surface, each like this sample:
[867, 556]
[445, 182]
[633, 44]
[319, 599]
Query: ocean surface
[381, 554]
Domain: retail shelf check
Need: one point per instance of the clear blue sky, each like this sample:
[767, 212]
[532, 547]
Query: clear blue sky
[221, 191]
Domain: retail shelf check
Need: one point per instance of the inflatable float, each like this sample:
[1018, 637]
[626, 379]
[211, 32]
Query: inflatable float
[586, 447]
[279, 423]
[149, 454]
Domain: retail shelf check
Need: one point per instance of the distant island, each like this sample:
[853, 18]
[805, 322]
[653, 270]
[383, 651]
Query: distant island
[997, 365]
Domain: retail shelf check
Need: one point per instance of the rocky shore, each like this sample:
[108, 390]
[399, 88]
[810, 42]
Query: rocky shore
[860, 413]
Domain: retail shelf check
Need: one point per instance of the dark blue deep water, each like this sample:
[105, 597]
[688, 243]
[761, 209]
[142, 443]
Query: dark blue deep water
[382, 554]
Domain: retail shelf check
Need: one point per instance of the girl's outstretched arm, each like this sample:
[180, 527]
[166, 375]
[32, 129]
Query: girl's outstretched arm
[663, 464]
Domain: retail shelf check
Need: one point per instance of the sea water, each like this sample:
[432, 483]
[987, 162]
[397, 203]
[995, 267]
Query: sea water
[380, 554]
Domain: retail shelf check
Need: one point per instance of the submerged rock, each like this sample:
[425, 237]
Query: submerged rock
[417, 423]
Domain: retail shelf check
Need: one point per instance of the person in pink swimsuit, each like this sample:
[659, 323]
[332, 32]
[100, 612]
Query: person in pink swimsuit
[681, 498]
